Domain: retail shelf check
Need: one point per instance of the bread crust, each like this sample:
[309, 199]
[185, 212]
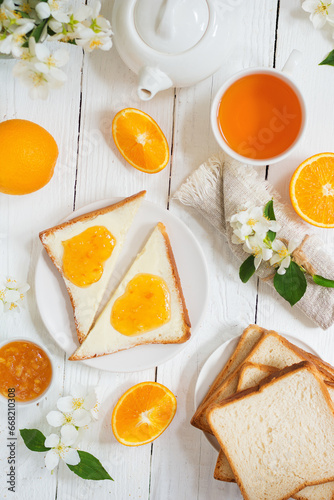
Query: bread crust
[178, 287]
[262, 368]
[303, 354]
[221, 379]
[82, 218]
[259, 388]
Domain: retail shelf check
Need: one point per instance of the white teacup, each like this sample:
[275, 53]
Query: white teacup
[281, 117]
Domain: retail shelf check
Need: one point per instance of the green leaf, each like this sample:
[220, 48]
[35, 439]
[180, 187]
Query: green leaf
[291, 285]
[269, 210]
[37, 32]
[271, 235]
[23, 14]
[319, 280]
[247, 269]
[329, 60]
[89, 467]
[34, 439]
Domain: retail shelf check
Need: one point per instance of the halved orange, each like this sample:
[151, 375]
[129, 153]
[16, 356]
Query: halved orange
[312, 190]
[143, 413]
[140, 140]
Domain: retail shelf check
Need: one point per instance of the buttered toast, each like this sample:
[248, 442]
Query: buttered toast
[85, 251]
[148, 306]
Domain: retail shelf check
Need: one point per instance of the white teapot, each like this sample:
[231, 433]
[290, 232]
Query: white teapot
[168, 43]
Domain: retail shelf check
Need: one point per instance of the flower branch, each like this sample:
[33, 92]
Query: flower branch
[256, 229]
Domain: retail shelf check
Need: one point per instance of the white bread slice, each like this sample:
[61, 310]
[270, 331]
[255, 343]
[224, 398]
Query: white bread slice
[156, 258]
[272, 350]
[251, 375]
[117, 218]
[249, 338]
[279, 436]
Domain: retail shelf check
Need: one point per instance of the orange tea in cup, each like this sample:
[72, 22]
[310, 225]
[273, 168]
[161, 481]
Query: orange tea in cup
[260, 116]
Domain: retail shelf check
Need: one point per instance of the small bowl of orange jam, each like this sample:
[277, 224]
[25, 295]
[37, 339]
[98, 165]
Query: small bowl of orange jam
[26, 371]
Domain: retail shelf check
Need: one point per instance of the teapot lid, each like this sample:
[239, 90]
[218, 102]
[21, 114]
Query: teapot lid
[171, 26]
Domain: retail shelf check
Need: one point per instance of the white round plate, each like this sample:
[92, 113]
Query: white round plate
[55, 306]
[214, 365]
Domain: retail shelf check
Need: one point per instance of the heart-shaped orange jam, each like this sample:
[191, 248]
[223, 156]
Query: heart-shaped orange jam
[85, 254]
[144, 306]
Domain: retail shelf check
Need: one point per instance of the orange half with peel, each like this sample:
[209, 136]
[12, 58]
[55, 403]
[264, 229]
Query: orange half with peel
[143, 413]
[140, 140]
[312, 190]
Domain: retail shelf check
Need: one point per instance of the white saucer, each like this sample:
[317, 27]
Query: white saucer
[217, 361]
[55, 306]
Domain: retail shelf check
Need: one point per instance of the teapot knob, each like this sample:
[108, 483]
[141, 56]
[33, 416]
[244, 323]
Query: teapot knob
[166, 24]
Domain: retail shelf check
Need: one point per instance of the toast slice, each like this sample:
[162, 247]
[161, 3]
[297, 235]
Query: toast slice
[279, 436]
[155, 259]
[117, 219]
[271, 350]
[251, 375]
[249, 338]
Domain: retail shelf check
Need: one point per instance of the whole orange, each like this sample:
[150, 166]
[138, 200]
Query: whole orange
[28, 155]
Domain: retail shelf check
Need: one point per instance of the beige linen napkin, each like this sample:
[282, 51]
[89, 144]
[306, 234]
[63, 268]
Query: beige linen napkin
[221, 187]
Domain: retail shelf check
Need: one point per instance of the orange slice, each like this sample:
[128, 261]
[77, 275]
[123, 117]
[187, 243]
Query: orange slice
[140, 140]
[312, 190]
[143, 413]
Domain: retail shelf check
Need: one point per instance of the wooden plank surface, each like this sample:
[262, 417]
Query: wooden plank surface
[180, 463]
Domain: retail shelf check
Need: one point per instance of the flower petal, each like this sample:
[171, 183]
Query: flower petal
[51, 459]
[65, 404]
[257, 261]
[51, 441]
[90, 401]
[41, 51]
[81, 417]
[71, 456]
[55, 418]
[69, 434]
[281, 270]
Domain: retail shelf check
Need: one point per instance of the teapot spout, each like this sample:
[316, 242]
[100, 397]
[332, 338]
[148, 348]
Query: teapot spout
[151, 81]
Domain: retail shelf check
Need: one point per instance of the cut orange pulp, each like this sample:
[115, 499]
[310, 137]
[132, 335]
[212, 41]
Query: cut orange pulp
[140, 140]
[143, 413]
[312, 190]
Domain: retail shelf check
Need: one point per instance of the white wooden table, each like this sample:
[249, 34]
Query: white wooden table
[179, 465]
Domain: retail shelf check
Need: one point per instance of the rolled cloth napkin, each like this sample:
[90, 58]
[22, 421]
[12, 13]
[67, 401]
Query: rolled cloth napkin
[221, 187]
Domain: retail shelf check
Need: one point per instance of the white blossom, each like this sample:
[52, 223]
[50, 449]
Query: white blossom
[12, 294]
[61, 448]
[90, 40]
[320, 11]
[79, 400]
[282, 254]
[12, 43]
[58, 9]
[251, 222]
[255, 246]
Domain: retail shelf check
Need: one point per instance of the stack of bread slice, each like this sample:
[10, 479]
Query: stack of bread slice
[271, 409]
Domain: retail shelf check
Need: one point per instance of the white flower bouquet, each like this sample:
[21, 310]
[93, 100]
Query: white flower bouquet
[26, 24]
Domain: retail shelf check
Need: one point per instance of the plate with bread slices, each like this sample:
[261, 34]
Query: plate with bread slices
[266, 404]
[115, 284]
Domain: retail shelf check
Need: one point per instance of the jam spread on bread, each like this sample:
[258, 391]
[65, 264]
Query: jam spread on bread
[144, 306]
[85, 254]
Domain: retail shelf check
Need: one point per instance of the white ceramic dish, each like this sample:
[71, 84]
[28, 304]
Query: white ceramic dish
[215, 363]
[56, 310]
[41, 396]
